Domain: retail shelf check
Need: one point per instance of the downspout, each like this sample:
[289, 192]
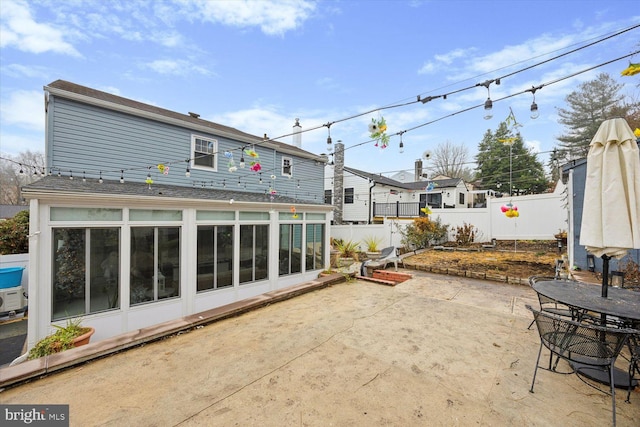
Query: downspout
[371, 201]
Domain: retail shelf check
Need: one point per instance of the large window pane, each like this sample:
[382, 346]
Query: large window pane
[81, 257]
[168, 277]
[315, 247]
[69, 269]
[290, 249]
[155, 263]
[254, 252]
[104, 259]
[215, 257]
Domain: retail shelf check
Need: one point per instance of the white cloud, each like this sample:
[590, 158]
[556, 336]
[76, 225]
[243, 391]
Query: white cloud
[273, 17]
[19, 70]
[18, 29]
[176, 67]
[13, 144]
[24, 109]
[533, 145]
[444, 59]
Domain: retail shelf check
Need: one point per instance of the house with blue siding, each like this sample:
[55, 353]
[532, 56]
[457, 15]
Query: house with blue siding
[574, 174]
[147, 215]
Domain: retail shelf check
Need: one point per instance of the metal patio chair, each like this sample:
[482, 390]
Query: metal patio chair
[634, 362]
[587, 344]
[550, 305]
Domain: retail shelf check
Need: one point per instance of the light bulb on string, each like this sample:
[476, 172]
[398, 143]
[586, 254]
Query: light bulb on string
[401, 148]
[534, 110]
[534, 106]
[100, 179]
[71, 175]
[488, 104]
[21, 170]
[84, 176]
[122, 176]
[329, 142]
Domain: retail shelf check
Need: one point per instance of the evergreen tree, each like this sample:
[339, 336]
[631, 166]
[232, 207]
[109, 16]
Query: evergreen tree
[503, 158]
[594, 101]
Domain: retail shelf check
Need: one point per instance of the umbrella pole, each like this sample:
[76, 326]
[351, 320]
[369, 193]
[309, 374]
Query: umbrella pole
[605, 275]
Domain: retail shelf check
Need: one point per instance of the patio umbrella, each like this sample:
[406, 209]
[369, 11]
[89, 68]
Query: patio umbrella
[611, 212]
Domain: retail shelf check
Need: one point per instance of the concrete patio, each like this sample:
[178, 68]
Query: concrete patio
[434, 350]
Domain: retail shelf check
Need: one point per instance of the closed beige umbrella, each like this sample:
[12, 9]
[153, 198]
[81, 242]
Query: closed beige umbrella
[611, 211]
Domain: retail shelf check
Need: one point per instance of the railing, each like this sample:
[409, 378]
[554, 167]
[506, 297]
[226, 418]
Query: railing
[397, 210]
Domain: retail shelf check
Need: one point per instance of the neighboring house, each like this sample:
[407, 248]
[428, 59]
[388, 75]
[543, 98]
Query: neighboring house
[142, 218]
[9, 211]
[574, 174]
[362, 198]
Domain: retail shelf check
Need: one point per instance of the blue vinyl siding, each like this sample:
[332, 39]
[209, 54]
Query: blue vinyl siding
[90, 139]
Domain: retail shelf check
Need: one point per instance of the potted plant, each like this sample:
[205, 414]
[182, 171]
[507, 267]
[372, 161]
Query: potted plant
[373, 246]
[348, 251]
[73, 334]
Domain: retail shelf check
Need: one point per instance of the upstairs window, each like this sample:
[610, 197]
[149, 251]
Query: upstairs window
[348, 195]
[204, 152]
[286, 166]
[327, 197]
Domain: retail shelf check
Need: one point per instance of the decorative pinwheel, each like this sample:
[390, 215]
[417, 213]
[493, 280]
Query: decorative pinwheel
[378, 129]
[253, 155]
[631, 70]
[510, 210]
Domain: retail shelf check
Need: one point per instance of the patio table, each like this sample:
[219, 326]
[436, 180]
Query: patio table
[621, 303]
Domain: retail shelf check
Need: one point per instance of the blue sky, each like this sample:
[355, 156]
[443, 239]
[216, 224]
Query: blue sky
[258, 65]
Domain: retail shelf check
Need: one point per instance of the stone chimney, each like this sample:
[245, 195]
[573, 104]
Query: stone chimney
[338, 182]
[418, 170]
[297, 134]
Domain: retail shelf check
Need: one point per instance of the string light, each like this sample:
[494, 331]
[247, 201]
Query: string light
[84, 176]
[329, 142]
[100, 179]
[534, 107]
[401, 143]
[122, 176]
[497, 81]
[488, 104]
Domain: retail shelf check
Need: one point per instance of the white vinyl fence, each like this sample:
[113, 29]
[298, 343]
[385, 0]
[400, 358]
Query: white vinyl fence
[541, 216]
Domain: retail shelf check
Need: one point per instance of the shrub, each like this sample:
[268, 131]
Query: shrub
[347, 249]
[14, 234]
[465, 234]
[59, 341]
[372, 243]
[423, 233]
[631, 274]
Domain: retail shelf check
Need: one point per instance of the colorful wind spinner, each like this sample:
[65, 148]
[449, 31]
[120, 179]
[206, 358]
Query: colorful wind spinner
[510, 210]
[426, 210]
[231, 164]
[378, 129]
[255, 163]
[631, 70]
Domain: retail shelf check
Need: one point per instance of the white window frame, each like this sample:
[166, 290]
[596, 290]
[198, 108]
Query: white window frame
[284, 160]
[214, 153]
